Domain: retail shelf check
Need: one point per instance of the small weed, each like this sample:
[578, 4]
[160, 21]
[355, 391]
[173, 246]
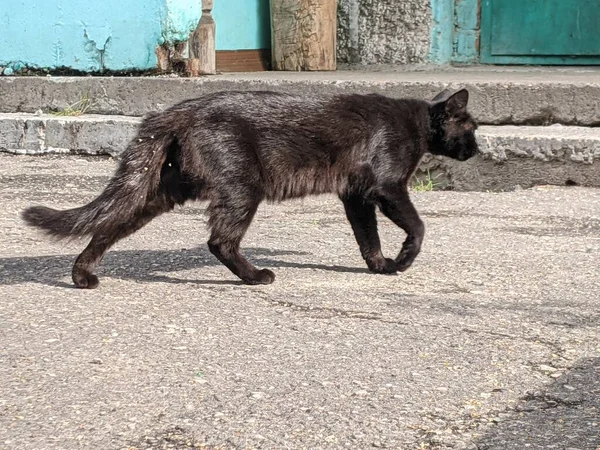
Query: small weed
[76, 109]
[425, 184]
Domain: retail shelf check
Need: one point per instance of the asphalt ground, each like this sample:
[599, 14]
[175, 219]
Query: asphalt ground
[490, 341]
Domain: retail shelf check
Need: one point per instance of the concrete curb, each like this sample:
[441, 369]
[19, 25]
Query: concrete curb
[498, 97]
[510, 155]
[523, 156]
[90, 134]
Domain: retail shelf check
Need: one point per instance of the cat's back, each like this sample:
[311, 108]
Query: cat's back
[252, 105]
[265, 102]
[266, 107]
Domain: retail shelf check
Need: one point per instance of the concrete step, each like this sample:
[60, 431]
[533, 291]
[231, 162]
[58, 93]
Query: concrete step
[518, 96]
[510, 155]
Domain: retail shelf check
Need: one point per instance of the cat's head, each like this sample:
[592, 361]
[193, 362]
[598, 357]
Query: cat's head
[452, 127]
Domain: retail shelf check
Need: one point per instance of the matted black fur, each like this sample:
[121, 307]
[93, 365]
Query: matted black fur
[236, 149]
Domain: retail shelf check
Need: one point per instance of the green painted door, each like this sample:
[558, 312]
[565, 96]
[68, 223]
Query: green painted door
[540, 31]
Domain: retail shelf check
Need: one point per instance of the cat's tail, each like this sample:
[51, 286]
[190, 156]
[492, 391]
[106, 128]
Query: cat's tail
[133, 185]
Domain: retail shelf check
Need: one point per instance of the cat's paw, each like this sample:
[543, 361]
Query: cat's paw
[382, 265]
[264, 276]
[85, 280]
[404, 260]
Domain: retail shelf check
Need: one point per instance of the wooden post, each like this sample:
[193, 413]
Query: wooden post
[304, 34]
[203, 58]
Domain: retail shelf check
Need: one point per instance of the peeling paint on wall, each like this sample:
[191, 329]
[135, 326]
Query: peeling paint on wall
[117, 35]
[110, 35]
[466, 31]
[440, 51]
[180, 20]
[96, 41]
[455, 31]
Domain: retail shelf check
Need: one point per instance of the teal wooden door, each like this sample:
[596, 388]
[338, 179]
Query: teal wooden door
[540, 31]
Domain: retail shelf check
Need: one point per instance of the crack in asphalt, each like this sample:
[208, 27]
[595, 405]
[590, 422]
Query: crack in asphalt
[336, 312]
[377, 317]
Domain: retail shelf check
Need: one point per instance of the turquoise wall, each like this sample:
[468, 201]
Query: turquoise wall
[242, 24]
[466, 31]
[454, 31]
[118, 35]
[84, 35]
[442, 28]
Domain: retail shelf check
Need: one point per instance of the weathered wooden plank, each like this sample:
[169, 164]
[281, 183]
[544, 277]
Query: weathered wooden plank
[202, 44]
[303, 34]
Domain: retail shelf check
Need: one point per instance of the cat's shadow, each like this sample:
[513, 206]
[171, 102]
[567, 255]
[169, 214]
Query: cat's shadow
[147, 266]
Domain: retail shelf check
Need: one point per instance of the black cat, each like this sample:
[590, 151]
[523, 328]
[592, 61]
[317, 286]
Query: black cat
[236, 149]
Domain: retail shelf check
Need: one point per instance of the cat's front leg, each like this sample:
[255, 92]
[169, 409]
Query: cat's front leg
[395, 203]
[361, 215]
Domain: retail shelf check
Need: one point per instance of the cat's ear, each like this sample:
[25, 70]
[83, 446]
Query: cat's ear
[442, 96]
[457, 102]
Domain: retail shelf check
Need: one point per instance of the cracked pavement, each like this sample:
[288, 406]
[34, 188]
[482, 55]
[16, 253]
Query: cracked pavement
[490, 341]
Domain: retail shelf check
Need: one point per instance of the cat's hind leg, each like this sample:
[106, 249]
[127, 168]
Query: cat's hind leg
[86, 262]
[230, 217]
[361, 215]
